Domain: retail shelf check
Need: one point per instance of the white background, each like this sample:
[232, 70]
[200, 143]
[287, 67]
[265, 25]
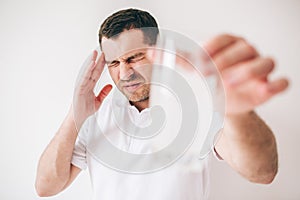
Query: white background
[42, 46]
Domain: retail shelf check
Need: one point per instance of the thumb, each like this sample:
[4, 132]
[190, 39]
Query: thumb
[103, 93]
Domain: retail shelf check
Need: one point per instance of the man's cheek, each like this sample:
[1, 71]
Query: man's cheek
[114, 75]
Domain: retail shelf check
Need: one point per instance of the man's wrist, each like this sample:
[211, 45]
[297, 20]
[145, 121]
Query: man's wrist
[239, 116]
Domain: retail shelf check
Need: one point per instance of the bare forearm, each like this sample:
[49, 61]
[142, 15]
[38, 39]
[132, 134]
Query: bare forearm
[249, 146]
[55, 163]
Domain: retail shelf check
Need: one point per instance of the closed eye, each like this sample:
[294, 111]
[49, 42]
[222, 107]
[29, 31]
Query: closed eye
[114, 63]
[132, 59]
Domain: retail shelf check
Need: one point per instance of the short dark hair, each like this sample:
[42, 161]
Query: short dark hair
[129, 19]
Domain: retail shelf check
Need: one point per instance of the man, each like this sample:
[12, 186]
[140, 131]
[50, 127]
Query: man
[246, 143]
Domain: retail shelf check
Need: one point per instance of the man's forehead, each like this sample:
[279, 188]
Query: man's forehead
[125, 43]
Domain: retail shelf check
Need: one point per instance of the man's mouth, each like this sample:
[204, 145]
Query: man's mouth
[131, 87]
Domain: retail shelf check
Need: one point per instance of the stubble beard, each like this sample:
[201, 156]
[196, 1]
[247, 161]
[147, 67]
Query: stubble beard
[141, 94]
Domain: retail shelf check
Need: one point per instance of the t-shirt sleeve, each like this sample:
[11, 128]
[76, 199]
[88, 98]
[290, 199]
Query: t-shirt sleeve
[79, 155]
[79, 158]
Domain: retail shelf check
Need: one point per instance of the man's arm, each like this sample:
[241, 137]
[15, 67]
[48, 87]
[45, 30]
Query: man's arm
[247, 144]
[249, 147]
[55, 171]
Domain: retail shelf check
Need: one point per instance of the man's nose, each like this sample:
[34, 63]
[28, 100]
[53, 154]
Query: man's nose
[126, 71]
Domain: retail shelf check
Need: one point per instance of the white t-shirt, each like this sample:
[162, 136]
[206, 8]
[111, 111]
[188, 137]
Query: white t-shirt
[186, 179]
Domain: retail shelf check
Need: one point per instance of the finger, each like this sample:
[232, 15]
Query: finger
[103, 93]
[258, 68]
[266, 90]
[94, 55]
[91, 59]
[238, 52]
[218, 43]
[277, 86]
[98, 68]
[198, 62]
[181, 58]
[88, 67]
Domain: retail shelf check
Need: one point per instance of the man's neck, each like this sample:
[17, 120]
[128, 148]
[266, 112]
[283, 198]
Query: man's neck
[141, 105]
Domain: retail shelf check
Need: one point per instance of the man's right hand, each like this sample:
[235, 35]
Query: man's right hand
[85, 103]
[55, 171]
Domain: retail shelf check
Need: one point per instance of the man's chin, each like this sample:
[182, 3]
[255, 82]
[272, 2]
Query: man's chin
[137, 100]
[140, 95]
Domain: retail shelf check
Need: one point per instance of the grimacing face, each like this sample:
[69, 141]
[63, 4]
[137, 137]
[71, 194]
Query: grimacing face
[128, 64]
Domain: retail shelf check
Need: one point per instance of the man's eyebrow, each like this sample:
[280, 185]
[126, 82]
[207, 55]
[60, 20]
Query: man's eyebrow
[136, 54]
[129, 57]
[108, 62]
